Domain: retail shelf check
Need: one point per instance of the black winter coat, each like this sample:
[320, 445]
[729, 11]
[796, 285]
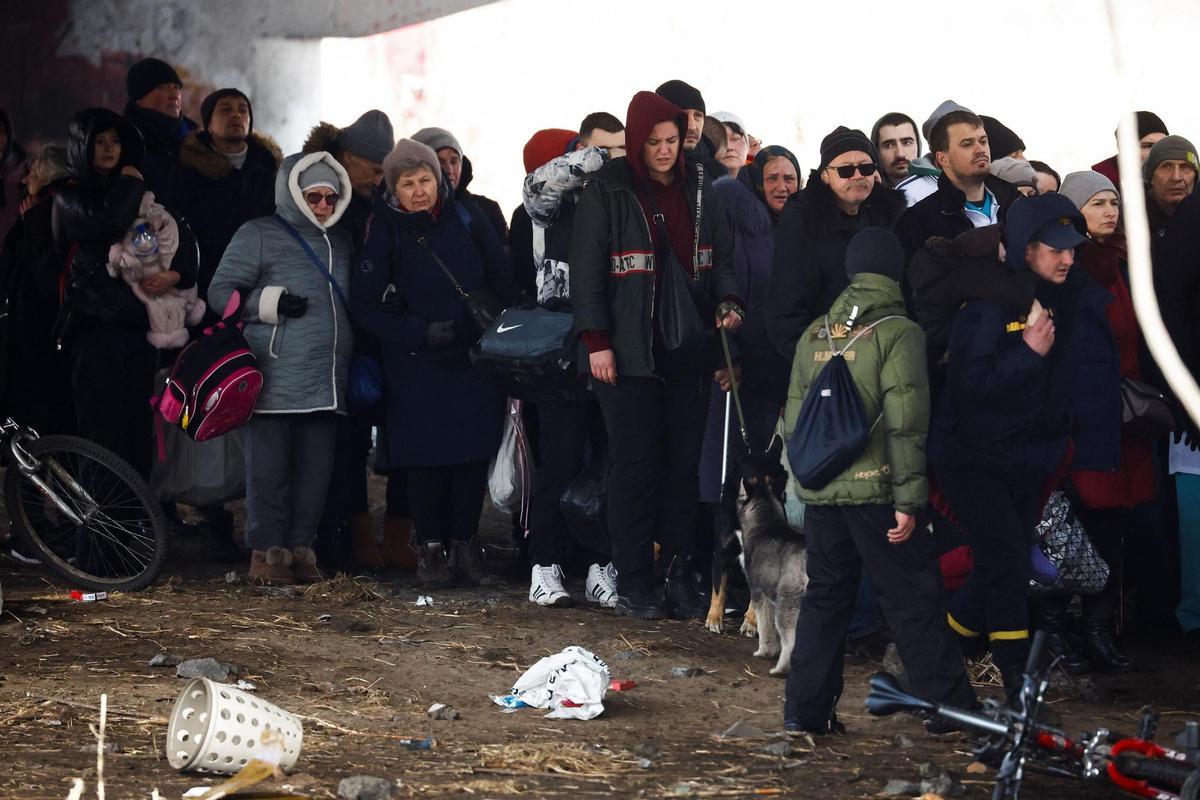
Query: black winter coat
[942, 213]
[91, 211]
[613, 265]
[809, 267]
[163, 136]
[215, 198]
[440, 409]
[1177, 283]
[490, 208]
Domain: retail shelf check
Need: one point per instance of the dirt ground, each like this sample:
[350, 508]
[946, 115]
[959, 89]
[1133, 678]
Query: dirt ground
[364, 675]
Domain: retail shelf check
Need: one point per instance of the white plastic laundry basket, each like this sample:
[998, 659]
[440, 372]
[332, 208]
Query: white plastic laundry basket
[216, 727]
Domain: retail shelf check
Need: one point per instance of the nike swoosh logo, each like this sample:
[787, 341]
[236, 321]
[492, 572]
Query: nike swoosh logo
[503, 329]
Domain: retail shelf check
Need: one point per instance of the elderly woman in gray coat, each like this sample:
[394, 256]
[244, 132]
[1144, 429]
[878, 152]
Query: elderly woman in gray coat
[297, 324]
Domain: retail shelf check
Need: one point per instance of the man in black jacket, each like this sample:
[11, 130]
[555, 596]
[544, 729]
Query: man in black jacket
[967, 195]
[155, 108]
[228, 176]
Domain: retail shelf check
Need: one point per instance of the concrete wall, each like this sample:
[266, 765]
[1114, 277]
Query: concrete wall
[58, 56]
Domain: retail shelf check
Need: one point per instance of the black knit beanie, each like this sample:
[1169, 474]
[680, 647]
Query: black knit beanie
[210, 103]
[147, 75]
[875, 250]
[844, 140]
[1149, 122]
[682, 94]
[1002, 139]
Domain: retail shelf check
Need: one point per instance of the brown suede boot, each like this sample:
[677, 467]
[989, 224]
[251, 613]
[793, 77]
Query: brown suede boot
[398, 550]
[362, 541]
[271, 566]
[304, 566]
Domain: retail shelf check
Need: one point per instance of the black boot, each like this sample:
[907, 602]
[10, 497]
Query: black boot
[1098, 639]
[432, 570]
[1050, 615]
[685, 593]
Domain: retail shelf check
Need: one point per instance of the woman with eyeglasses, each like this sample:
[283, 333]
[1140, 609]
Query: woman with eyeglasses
[843, 196]
[292, 269]
[443, 417]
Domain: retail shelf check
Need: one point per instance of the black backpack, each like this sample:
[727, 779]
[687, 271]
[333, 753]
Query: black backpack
[831, 431]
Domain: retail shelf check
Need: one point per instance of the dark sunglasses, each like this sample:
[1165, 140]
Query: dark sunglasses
[315, 198]
[848, 170]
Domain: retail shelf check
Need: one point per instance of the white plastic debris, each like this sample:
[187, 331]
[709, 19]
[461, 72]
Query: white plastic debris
[424, 600]
[571, 684]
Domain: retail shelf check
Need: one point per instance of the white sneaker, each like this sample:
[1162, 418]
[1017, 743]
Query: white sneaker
[545, 587]
[601, 586]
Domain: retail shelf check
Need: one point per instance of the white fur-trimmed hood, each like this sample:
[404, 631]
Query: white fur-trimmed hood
[289, 200]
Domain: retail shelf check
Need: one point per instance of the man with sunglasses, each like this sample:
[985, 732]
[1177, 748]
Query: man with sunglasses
[968, 195]
[843, 196]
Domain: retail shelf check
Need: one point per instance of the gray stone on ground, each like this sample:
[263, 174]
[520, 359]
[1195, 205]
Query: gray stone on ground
[443, 711]
[686, 672]
[780, 749]
[893, 664]
[901, 742]
[742, 729]
[206, 668]
[627, 655]
[899, 788]
[164, 660]
[366, 787]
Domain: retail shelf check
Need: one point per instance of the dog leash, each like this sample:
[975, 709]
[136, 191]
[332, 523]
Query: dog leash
[733, 386]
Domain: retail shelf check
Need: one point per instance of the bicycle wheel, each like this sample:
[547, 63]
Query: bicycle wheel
[122, 542]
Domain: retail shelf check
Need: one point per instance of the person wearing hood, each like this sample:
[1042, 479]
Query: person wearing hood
[865, 519]
[640, 215]
[155, 108]
[37, 391]
[842, 197]
[360, 148]
[1018, 391]
[298, 325]
[1150, 128]
[967, 195]
[443, 417]
[458, 172]
[102, 323]
[752, 203]
[227, 176]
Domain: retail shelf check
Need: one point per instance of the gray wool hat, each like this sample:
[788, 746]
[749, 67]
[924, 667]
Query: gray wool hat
[942, 110]
[405, 156]
[437, 138]
[370, 136]
[319, 174]
[1079, 187]
[1170, 148]
[1016, 171]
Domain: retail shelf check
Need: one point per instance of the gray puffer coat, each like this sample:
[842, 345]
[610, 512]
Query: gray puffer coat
[304, 361]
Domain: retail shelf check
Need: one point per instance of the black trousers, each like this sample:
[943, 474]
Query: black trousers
[447, 501]
[998, 515]
[841, 542]
[655, 430]
[112, 377]
[569, 432]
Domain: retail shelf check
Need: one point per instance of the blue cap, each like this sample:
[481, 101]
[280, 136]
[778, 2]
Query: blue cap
[1048, 218]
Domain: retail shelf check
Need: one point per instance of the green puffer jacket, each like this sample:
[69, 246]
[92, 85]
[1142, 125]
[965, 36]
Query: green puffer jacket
[612, 264]
[888, 366]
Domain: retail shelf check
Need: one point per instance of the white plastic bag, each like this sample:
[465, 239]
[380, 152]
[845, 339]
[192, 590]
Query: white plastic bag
[510, 474]
[571, 683]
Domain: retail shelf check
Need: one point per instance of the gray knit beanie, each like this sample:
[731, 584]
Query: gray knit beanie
[1079, 187]
[1016, 171]
[942, 110]
[406, 156]
[1170, 148]
[319, 174]
[437, 138]
[370, 136]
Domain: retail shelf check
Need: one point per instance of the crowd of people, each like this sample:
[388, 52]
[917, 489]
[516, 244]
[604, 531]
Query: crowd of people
[980, 301]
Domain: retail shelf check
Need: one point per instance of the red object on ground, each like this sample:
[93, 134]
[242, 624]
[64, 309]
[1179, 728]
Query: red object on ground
[88, 597]
[621, 686]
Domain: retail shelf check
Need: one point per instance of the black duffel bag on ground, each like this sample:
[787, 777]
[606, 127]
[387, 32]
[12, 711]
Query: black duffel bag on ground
[529, 353]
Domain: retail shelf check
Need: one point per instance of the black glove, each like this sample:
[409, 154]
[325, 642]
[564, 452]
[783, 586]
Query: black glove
[439, 333]
[292, 305]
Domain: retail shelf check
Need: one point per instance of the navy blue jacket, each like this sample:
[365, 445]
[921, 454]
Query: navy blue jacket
[942, 214]
[440, 410]
[1006, 408]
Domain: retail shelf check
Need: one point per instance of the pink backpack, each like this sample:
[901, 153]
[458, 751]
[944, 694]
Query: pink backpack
[215, 382]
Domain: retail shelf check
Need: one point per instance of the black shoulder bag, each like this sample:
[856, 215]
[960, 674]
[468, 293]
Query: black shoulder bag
[483, 304]
[679, 319]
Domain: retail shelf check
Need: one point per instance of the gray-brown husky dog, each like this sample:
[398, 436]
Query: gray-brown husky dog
[773, 556]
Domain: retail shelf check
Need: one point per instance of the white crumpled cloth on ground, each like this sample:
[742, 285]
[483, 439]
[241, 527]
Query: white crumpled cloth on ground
[571, 684]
